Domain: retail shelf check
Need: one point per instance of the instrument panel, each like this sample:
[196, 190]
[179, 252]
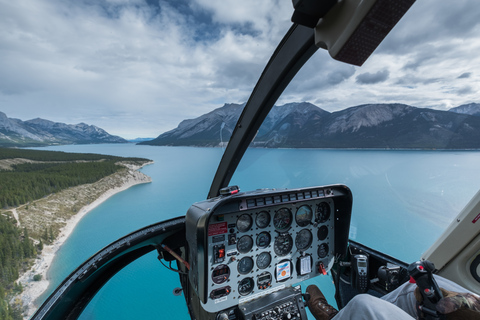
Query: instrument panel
[261, 242]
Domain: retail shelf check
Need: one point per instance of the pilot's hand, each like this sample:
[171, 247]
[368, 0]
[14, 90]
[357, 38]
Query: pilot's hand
[456, 306]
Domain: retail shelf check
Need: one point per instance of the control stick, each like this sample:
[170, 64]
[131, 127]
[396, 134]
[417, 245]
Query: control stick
[422, 273]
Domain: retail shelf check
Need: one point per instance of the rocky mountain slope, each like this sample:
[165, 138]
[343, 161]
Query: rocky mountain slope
[40, 132]
[471, 109]
[304, 125]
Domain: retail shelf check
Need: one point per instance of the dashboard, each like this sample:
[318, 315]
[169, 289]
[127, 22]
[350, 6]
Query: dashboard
[249, 245]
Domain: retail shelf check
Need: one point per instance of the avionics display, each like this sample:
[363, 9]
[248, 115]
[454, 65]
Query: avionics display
[248, 245]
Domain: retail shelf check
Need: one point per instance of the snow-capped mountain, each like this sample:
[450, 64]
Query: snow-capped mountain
[304, 125]
[38, 132]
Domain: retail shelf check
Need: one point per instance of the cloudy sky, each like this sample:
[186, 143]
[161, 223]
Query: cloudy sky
[136, 68]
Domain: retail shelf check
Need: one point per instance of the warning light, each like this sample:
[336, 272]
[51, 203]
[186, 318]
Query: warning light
[221, 253]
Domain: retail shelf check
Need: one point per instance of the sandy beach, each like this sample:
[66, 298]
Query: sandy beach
[33, 289]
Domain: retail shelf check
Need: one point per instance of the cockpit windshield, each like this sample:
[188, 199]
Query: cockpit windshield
[349, 162]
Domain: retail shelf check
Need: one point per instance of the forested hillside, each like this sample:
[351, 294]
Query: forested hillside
[28, 175]
[40, 155]
[30, 181]
[25, 182]
[15, 249]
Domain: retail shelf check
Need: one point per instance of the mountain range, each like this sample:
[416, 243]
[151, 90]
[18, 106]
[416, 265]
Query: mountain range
[304, 125]
[40, 132]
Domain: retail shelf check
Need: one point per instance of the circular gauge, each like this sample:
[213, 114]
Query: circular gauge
[264, 280]
[322, 233]
[263, 260]
[322, 250]
[220, 274]
[282, 219]
[283, 245]
[244, 223]
[304, 239]
[263, 240]
[245, 265]
[245, 286]
[244, 244]
[263, 219]
[323, 212]
[304, 216]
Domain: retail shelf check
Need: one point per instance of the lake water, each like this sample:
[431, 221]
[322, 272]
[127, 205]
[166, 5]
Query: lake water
[403, 200]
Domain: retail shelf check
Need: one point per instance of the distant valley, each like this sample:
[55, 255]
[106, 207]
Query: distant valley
[304, 125]
[40, 132]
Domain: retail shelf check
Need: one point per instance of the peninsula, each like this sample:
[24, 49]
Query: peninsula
[50, 219]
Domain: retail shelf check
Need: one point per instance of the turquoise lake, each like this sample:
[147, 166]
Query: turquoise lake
[403, 200]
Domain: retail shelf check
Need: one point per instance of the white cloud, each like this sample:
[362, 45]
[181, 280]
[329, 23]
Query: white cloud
[138, 69]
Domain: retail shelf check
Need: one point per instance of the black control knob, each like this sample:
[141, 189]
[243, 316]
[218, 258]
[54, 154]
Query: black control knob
[287, 316]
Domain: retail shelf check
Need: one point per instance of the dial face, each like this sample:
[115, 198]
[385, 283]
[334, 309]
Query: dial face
[244, 223]
[304, 216]
[263, 219]
[323, 212]
[244, 244]
[263, 240]
[283, 245]
[220, 274]
[246, 286]
[322, 250]
[304, 239]
[282, 219]
[245, 265]
[263, 260]
[322, 233]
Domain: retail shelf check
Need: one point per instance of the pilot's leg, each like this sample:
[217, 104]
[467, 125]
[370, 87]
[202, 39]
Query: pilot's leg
[361, 307]
[367, 307]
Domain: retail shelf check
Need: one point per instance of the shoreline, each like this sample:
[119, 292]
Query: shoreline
[32, 290]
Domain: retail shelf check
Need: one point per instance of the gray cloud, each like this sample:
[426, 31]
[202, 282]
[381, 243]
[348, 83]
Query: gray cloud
[465, 75]
[465, 90]
[372, 78]
[420, 58]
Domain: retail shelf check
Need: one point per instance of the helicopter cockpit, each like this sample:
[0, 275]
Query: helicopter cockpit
[249, 245]
[243, 255]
